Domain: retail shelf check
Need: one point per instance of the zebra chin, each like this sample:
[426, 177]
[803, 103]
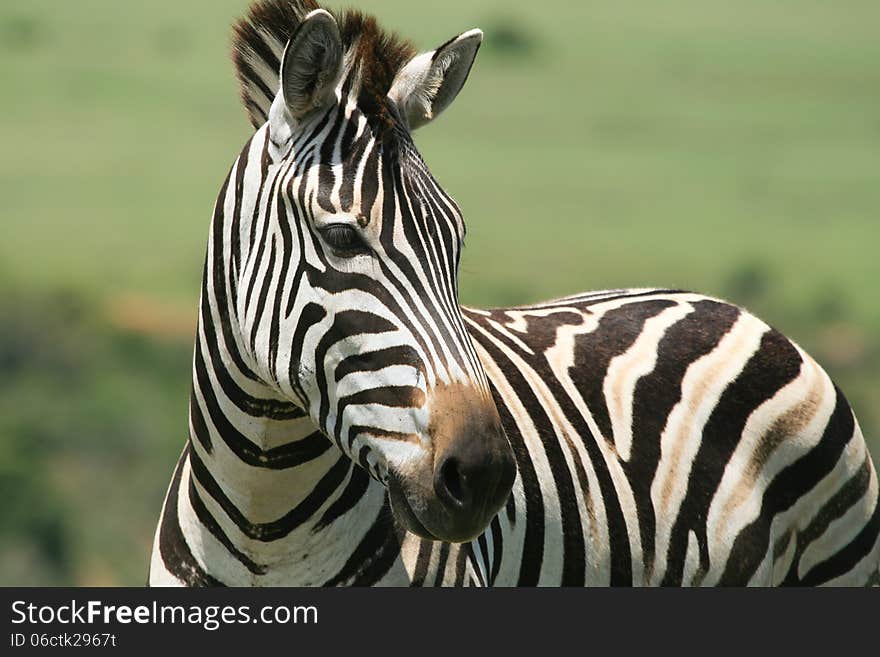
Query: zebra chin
[436, 523]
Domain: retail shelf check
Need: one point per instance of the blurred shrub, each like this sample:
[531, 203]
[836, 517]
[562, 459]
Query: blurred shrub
[830, 305]
[507, 36]
[18, 32]
[91, 420]
[748, 284]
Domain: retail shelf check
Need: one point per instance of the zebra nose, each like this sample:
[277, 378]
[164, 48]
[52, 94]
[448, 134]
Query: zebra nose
[472, 480]
[452, 483]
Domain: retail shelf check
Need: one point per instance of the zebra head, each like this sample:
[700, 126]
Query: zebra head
[348, 288]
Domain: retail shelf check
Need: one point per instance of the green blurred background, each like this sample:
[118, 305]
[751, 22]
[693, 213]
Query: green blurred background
[729, 148]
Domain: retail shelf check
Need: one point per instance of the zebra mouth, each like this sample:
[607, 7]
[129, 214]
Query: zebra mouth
[403, 511]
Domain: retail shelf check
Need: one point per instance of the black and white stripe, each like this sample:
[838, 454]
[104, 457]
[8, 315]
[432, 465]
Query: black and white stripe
[674, 439]
[660, 437]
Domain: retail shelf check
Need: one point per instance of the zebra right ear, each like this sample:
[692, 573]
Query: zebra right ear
[310, 67]
[429, 82]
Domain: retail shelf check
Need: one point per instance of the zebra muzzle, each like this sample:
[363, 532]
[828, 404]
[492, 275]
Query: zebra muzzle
[458, 492]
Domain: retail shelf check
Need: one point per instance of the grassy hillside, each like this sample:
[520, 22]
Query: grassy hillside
[729, 148]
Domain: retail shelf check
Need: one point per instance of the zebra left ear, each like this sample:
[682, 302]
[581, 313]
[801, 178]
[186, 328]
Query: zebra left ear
[429, 82]
[310, 69]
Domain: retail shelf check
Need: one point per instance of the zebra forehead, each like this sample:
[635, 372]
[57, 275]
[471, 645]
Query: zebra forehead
[259, 39]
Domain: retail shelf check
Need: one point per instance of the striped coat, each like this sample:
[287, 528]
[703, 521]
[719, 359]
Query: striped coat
[351, 424]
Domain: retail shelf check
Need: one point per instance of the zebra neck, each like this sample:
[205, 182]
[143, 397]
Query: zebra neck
[263, 496]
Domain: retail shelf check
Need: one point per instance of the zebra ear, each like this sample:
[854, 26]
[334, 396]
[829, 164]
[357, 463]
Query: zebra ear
[311, 64]
[429, 82]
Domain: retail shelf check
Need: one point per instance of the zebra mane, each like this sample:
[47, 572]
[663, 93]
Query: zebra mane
[258, 42]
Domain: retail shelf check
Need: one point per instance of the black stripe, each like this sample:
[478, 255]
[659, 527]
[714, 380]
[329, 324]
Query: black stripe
[260, 243]
[788, 487]
[497, 549]
[269, 408]
[354, 491]
[295, 453]
[657, 393]
[848, 557]
[595, 298]
[276, 458]
[574, 572]
[392, 191]
[618, 534]
[461, 561]
[483, 548]
[441, 564]
[390, 396]
[374, 555]
[423, 560]
[175, 552]
[533, 541]
[326, 175]
[411, 216]
[850, 494]
[510, 509]
[346, 324]
[199, 430]
[618, 329]
[370, 182]
[774, 365]
[376, 360]
[311, 314]
[297, 223]
[217, 272]
[277, 529]
[217, 532]
[352, 153]
[235, 239]
[246, 72]
[268, 279]
[333, 281]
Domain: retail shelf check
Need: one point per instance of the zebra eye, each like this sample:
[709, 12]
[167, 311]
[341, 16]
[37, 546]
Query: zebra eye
[344, 240]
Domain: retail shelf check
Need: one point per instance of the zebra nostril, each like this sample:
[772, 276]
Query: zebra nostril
[451, 483]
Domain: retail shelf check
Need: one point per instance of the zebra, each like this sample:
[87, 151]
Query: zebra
[351, 424]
